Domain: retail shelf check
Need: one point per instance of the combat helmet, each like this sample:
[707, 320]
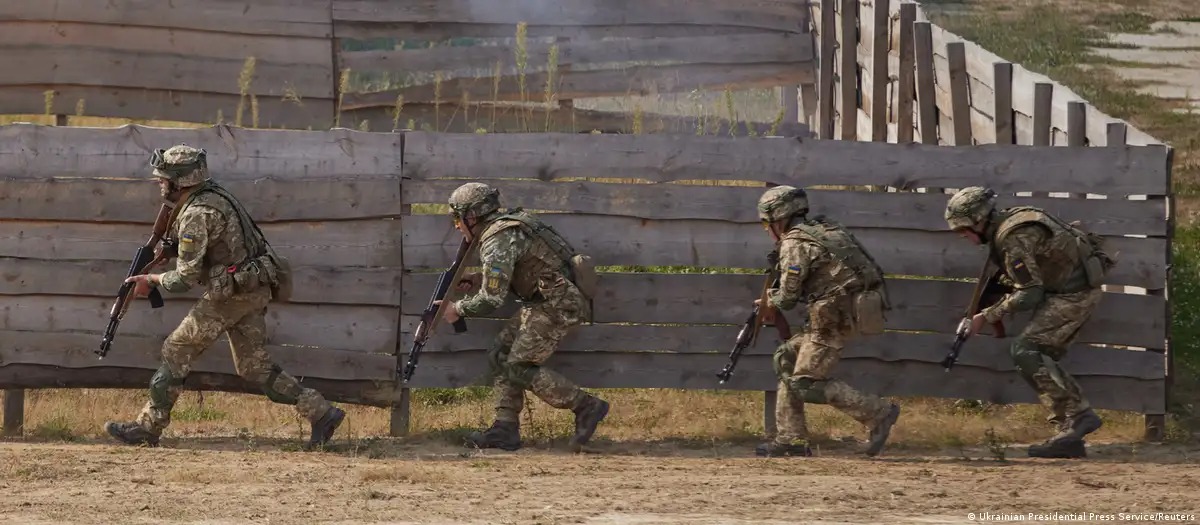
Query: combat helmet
[782, 202]
[183, 165]
[474, 199]
[969, 207]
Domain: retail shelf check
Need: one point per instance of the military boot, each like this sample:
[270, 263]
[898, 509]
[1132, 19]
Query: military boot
[777, 449]
[504, 435]
[131, 433]
[1062, 448]
[881, 430]
[323, 428]
[590, 412]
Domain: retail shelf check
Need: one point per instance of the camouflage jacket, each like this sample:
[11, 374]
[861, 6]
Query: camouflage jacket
[819, 259]
[512, 258]
[1039, 255]
[210, 238]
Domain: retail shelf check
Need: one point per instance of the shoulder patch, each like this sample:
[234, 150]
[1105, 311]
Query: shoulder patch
[492, 280]
[793, 270]
[1021, 272]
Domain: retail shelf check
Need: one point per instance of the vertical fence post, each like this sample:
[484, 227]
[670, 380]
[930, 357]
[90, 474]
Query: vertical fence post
[14, 412]
[907, 88]
[960, 93]
[879, 71]
[1043, 97]
[923, 36]
[1076, 124]
[770, 425]
[398, 424]
[1156, 424]
[828, 44]
[1003, 110]
[848, 74]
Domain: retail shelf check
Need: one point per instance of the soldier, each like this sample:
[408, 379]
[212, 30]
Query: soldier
[822, 263]
[520, 253]
[220, 248]
[1055, 271]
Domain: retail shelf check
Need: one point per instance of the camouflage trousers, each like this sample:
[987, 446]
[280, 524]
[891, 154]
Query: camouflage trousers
[242, 317]
[804, 364]
[527, 340]
[1055, 324]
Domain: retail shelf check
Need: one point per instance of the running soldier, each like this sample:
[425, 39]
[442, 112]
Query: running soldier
[823, 264]
[555, 286]
[1056, 272]
[221, 248]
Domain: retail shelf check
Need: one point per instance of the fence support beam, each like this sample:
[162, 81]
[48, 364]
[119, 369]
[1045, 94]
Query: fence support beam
[14, 412]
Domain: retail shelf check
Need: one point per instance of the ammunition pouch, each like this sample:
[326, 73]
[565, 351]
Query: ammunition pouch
[250, 275]
[869, 312]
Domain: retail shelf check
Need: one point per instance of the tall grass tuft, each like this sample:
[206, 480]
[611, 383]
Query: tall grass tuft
[550, 94]
[245, 78]
[522, 59]
[396, 110]
[79, 107]
[437, 99]
[48, 101]
[343, 87]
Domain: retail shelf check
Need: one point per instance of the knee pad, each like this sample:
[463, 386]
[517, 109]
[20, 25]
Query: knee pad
[520, 373]
[497, 355]
[784, 360]
[268, 387]
[1026, 356]
[160, 387]
[808, 389]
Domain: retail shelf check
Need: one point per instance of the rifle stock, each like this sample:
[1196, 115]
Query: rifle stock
[149, 255]
[988, 291]
[434, 311]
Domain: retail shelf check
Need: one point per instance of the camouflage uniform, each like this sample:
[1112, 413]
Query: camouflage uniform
[823, 264]
[220, 248]
[519, 253]
[1047, 263]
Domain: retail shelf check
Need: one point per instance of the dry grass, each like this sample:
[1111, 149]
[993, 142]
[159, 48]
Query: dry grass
[649, 415]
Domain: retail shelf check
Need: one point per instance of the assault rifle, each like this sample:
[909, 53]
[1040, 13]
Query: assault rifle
[760, 316]
[433, 312]
[155, 251]
[988, 291]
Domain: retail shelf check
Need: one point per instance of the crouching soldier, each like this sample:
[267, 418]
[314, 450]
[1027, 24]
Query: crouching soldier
[823, 264]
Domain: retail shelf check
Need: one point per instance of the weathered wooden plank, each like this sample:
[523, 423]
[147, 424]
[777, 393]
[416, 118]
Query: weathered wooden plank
[879, 76]
[848, 68]
[921, 305]
[651, 370]
[1076, 124]
[32, 151]
[636, 80]
[927, 105]
[783, 161]
[781, 15]
[1003, 110]
[337, 327]
[311, 284]
[827, 78]
[74, 351]
[300, 51]
[960, 94]
[338, 243]
[499, 118]
[181, 106]
[907, 74]
[308, 18]
[268, 199]
[165, 69]
[430, 241]
[374, 393]
[720, 49]
[980, 352]
[856, 209]
[367, 29]
[1041, 114]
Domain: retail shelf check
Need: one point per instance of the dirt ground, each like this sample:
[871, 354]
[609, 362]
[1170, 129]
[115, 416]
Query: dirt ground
[232, 480]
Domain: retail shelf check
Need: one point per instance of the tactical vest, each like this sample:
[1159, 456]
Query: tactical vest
[552, 254]
[249, 265]
[852, 269]
[1070, 260]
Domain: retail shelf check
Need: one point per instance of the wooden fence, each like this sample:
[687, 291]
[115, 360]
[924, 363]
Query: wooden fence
[283, 63]
[76, 205]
